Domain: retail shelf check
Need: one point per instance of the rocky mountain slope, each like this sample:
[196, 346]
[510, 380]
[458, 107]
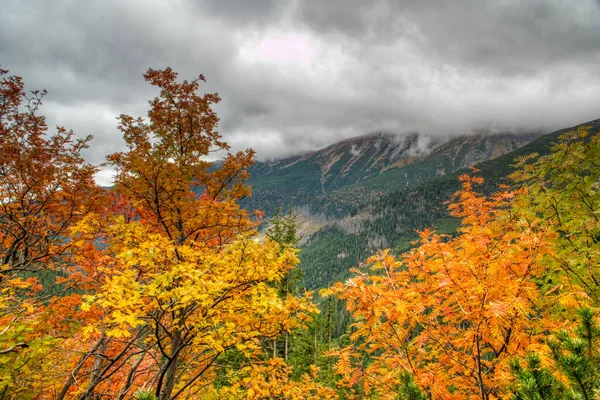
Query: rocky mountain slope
[331, 180]
[343, 163]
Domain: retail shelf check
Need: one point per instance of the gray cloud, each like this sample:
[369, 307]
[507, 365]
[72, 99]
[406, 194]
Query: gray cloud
[296, 75]
[242, 14]
[511, 36]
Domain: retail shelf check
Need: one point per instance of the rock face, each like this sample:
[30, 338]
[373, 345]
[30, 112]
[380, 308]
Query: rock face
[468, 150]
[350, 161]
[377, 161]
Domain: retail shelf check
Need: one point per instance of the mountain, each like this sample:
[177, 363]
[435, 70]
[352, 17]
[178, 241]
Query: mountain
[343, 163]
[330, 182]
[393, 219]
[452, 155]
[295, 181]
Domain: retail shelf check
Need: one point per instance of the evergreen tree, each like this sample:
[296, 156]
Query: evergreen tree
[534, 382]
[283, 230]
[408, 389]
[576, 357]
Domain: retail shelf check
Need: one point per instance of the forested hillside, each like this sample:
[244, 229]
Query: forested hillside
[394, 218]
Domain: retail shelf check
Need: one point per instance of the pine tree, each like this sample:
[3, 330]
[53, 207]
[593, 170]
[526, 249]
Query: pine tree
[576, 357]
[284, 230]
[408, 389]
[534, 382]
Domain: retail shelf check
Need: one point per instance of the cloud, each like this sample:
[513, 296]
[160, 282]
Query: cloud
[296, 75]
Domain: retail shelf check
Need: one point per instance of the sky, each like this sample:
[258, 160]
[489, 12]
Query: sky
[297, 75]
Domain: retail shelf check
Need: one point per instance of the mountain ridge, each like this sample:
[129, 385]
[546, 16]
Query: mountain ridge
[375, 162]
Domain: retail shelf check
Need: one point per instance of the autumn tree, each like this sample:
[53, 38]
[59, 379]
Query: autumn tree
[185, 280]
[451, 312]
[562, 189]
[45, 189]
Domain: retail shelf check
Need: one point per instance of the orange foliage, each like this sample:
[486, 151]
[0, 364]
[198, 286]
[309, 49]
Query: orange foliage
[45, 189]
[156, 279]
[454, 310]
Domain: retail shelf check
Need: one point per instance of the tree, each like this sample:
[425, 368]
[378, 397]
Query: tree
[184, 280]
[453, 311]
[45, 189]
[283, 230]
[574, 360]
[44, 182]
[562, 189]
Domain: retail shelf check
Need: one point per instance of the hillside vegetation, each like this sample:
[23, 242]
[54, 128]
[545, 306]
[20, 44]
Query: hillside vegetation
[394, 218]
[161, 288]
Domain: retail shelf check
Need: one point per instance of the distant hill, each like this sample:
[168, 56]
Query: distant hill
[295, 181]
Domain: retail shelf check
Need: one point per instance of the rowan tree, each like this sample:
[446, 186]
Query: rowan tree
[453, 311]
[562, 189]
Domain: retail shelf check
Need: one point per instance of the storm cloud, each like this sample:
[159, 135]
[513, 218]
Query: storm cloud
[300, 74]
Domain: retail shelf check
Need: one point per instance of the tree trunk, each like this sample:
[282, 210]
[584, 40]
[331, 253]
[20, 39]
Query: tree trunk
[329, 322]
[171, 371]
[94, 375]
